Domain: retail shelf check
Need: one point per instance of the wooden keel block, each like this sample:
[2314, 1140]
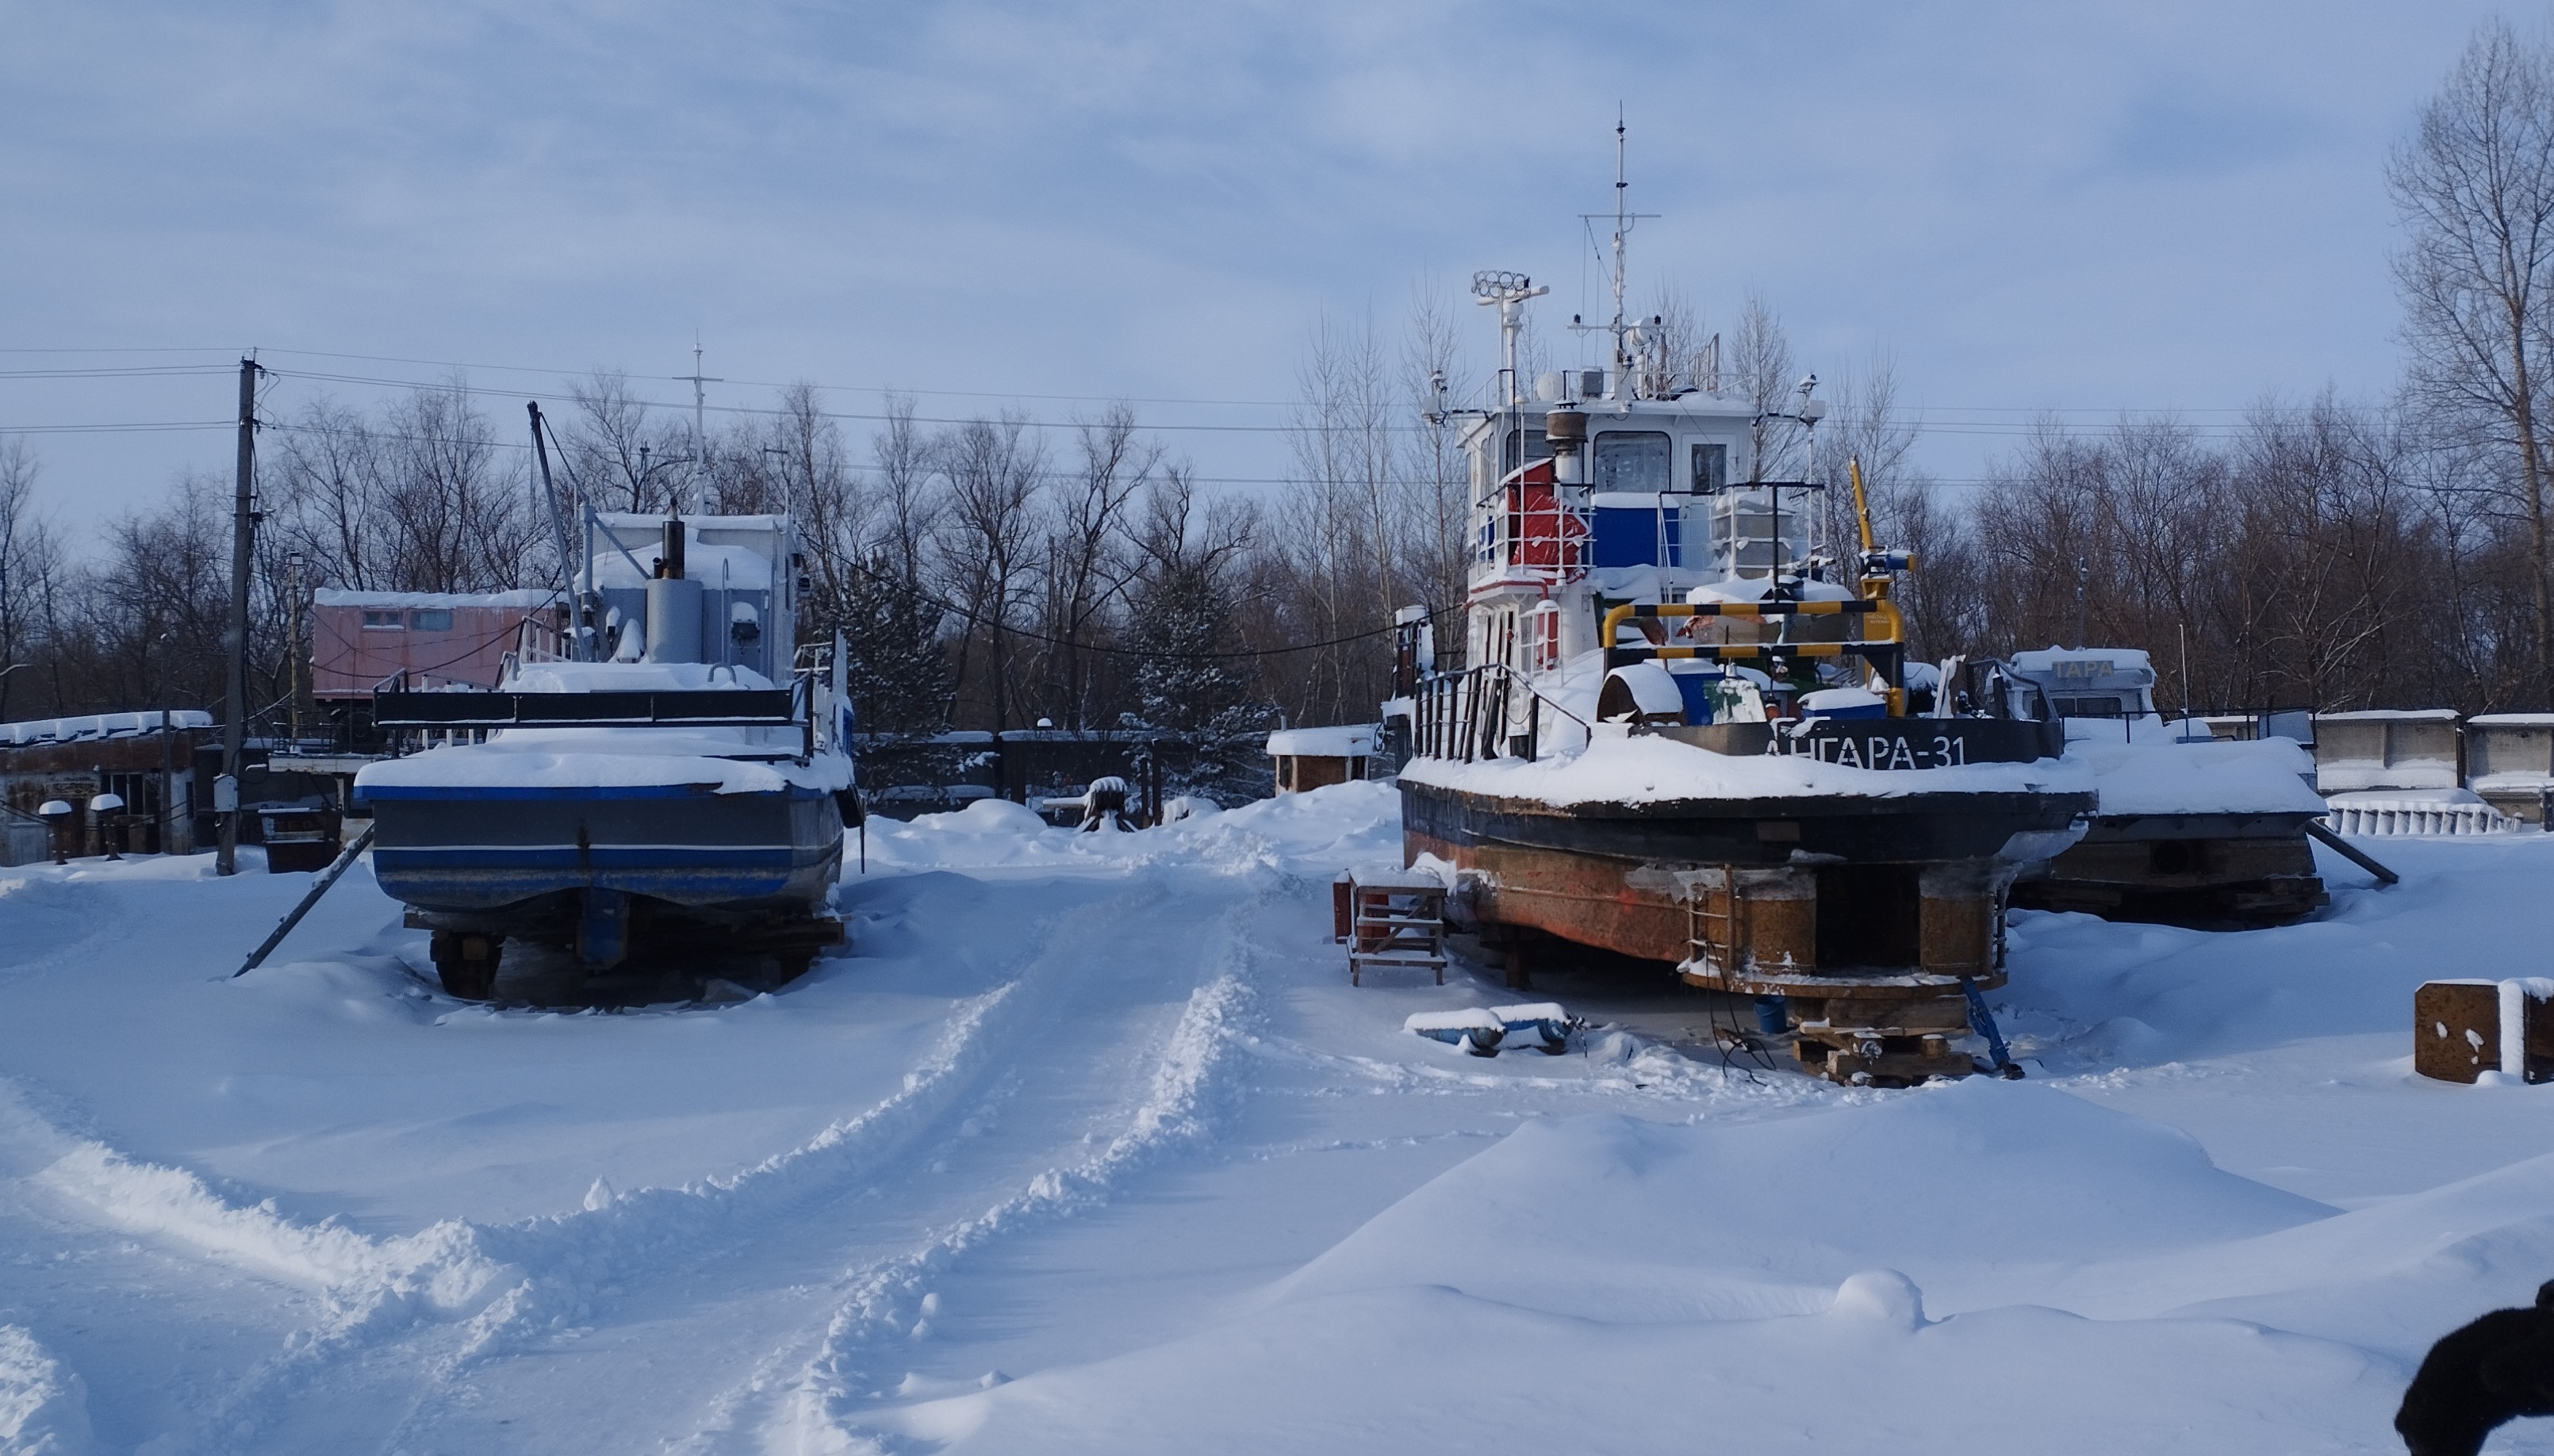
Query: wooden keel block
[2462, 1029]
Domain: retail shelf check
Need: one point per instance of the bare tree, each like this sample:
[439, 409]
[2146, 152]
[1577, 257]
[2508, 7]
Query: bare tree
[1087, 565]
[1673, 336]
[1762, 368]
[457, 514]
[1186, 593]
[819, 488]
[2475, 187]
[991, 471]
[30, 558]
[1342, 516]
[908, 510]
[323, 472]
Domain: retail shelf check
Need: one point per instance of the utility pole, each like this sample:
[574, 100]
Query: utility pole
[294, 661]
[243, 548]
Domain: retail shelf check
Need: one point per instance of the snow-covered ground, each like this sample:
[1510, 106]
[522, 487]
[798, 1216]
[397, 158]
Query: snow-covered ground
[1088, 1144]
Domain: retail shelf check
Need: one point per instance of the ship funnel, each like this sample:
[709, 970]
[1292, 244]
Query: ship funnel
[1566, 430]
[672, 552]
[673, 604]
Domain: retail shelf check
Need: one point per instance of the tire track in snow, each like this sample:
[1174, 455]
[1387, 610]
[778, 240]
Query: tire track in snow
[658, 1232]
[887, 1298]
[461, 1292]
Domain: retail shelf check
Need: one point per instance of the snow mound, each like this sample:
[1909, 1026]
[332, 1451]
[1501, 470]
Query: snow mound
[44, 1408]
[1634, 1219]
[1881, 1296]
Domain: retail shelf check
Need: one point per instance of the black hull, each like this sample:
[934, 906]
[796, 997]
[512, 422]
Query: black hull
[2201, 870]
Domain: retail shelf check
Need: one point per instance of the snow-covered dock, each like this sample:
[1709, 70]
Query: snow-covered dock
[1090, 1146]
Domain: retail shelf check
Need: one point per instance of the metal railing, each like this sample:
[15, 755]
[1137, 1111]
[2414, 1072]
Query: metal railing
[1467, 714]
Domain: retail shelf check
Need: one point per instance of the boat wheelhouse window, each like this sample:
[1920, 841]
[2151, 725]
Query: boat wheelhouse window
[384, 621]
[2104, 707]
[1522, 446]
[1631, 460]
[1711, 468]
[430, 622]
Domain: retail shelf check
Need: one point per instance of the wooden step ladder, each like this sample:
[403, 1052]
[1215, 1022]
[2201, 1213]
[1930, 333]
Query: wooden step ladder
[1392, 918]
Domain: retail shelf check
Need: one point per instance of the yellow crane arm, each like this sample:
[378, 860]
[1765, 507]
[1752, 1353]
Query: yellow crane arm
[1861, 507]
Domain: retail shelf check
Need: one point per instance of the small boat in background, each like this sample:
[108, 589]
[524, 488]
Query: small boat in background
[2190, 830]
[657, 786]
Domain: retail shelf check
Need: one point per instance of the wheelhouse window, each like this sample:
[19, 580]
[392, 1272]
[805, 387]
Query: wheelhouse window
[1631, 460]
[1522, 446]
[384, 621]
[2103, 706]
[1711, 468]
[440, 621]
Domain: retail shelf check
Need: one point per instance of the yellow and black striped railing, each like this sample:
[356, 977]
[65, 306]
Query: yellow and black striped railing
[1883, 644]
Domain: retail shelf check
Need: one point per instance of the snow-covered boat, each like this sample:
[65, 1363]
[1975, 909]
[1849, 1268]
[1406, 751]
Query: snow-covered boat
[686, 795]
[2190, 829]
[1687, 730]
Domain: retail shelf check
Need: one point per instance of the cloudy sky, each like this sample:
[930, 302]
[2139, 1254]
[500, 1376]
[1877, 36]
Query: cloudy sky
[2086, 207]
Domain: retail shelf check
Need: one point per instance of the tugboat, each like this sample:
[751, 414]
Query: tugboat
[659, 780]
[1687, 730]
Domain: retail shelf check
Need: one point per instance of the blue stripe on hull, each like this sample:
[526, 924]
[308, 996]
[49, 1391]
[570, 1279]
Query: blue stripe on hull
[569, 857]
[588, 793]
[477, 878]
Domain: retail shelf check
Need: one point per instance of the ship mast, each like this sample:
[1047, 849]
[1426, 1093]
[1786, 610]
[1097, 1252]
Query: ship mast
[1622, 240]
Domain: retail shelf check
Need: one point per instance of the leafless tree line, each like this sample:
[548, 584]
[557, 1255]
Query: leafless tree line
[986, 572]
[2321, 555]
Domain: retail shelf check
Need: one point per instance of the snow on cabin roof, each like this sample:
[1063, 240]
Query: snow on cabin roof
[744, 545]
[2391, 715]
[2117, 660]
[99, 725]
[2511, 719]
[629, 521]
[1355, 741]
[516, 600]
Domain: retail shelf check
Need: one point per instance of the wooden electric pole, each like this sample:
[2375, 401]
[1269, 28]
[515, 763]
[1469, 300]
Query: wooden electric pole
[243, 548]
[294, 661]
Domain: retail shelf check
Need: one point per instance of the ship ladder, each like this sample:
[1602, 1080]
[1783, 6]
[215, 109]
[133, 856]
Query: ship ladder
[1712, 953]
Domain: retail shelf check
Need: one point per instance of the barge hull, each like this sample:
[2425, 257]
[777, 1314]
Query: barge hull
[2190, 869]
[1873, 919]
[477, 852]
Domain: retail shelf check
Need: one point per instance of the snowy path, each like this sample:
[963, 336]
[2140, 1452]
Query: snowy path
[1088, 1146]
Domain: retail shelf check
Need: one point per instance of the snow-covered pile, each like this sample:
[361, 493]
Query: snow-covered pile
[1087, 1144]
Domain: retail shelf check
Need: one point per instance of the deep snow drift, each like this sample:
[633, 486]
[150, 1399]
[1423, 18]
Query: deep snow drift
[1087, 1144]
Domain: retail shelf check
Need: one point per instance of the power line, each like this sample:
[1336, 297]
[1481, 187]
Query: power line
[1920, 411]
[754, 383]
[139, 427]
